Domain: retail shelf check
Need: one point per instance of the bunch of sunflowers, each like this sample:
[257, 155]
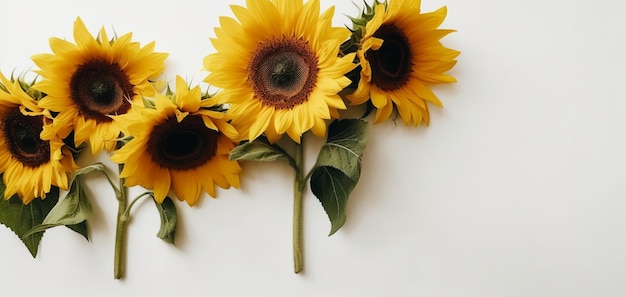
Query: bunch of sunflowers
[280, 67]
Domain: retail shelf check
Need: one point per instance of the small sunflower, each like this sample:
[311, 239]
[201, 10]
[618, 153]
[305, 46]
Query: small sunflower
[279, 69]
[181, 143]
[400, 54]
[88, 82]
[29, 165]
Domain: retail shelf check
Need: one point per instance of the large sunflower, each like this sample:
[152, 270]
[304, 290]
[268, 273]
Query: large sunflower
[401, 54]
[88, 82]
[180, 144]
[29, 165]
[279, 68]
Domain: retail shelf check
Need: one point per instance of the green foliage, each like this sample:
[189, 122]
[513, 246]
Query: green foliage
[332, 188]
[98, 167]
[358, 26]
[338, 168]
[20, 218]
[260, 150]
[72, 210]
[167, 212]
[80, 228]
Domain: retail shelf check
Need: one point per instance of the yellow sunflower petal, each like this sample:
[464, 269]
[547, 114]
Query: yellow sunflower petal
[185, 186]
[162, 185]
[83, 62]
[28, 175]
[301, 31]
[402, 82]
[162, 159]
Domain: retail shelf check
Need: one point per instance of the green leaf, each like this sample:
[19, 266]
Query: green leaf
[344, 147]
[80, 228]
[338, 168]
[91, 168]
[20, 218]
[332, 188]
[167, 212]
[260, 150]
[71, 210]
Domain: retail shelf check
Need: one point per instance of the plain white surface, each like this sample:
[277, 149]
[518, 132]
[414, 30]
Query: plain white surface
[516, 188]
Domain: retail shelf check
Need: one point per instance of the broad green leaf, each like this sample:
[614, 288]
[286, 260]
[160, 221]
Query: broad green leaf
[71, 210]
[20, 218]
[332, 188]
[344, 147]
[260, 150]
[338, 168]
[167, 212]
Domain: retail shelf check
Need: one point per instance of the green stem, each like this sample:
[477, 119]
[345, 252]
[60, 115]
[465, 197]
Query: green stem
[132, 203]
[119, 267]
[298, 190]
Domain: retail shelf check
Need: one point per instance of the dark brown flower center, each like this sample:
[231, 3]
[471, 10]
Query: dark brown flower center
[182, 146]
[21, 132]
[283, 72]
[100, 88]
[391, 63]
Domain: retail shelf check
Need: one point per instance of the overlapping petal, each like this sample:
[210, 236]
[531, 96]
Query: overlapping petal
[284, 23]
[150, 158]
[30, 167]
[415, 35]
[120, 62]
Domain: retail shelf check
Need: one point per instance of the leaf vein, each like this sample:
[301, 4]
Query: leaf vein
[344, 147]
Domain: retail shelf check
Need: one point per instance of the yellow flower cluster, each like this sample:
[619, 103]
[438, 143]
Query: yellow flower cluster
[281, 68]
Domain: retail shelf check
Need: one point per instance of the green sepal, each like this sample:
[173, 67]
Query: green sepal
[73, 209]
[167, 213]
[260, 150]
[338, 168]
[147, 102]
[358, 26]
[20, 218]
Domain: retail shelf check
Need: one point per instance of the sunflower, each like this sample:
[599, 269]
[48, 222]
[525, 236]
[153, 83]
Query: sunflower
[29, 165]
[181, 143]
[278, 68]
[88, 82]
[400, 54]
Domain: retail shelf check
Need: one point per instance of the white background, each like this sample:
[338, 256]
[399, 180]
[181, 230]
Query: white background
[517, 188]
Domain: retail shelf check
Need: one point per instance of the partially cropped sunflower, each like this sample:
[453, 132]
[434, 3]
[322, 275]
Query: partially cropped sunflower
[278, 67]
[29, 165]
[400, 54]
[181, 144]
[88, 82]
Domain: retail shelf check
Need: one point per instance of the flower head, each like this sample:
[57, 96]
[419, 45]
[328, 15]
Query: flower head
[181, 144]
[29, 165]
[400, 54]
[88, 82]
[279, 68]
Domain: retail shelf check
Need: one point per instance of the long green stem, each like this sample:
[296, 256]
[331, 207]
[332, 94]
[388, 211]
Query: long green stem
[298, 190]
[119, 267]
